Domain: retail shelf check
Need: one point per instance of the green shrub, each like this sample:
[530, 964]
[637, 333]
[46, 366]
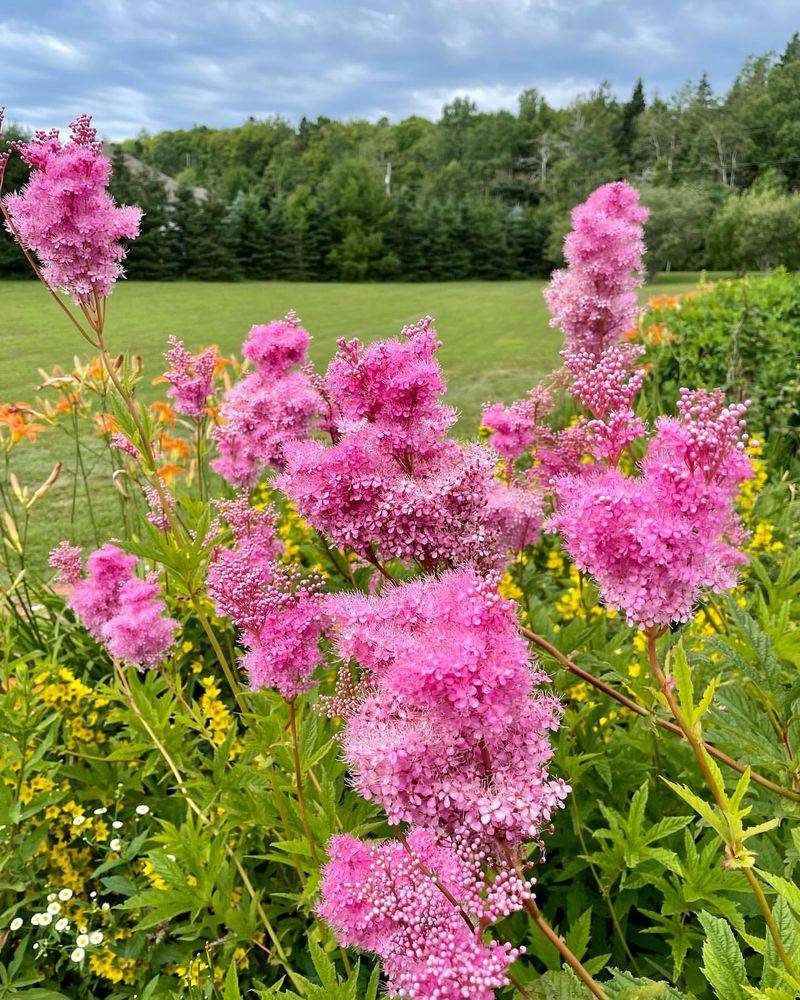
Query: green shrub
[759, 229]
[743, 336]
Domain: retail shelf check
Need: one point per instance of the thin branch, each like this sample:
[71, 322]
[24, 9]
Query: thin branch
[645, 713]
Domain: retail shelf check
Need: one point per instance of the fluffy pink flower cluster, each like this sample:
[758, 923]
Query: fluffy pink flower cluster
[280, 614]
[392, 483]
[517, 427]
[271, 408]
[66, 215]
[392, 899]
[593, 302]
[121, 610]
[191, 378]
[447, 729]
[655, 540]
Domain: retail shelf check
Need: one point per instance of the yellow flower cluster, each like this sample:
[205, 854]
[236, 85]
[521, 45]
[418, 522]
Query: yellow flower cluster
[199, 970]
[112, 967]
[751, 488]
[763, 539]
[573, 602]
[216, 715]
[78, 705]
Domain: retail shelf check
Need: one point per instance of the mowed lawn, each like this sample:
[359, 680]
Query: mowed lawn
[497, 343]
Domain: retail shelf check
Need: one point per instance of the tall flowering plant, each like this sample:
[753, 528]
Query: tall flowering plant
[391, 614]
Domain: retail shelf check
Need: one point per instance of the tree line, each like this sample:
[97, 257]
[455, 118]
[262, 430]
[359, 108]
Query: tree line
[475, 194]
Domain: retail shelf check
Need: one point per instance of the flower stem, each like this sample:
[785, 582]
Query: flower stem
[736, 846]
[640, 710]
[298, 777]
[564, 950]
[235, 686]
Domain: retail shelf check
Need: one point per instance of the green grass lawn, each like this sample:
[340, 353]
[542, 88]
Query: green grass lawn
[497, 343]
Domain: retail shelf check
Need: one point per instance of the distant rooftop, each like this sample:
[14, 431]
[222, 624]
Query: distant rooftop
[135, 166]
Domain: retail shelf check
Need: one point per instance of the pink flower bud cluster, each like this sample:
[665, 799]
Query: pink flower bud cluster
[448, 730]
[191, 378]
[66, 215]
[121, 610]
[421, 906]
[121, 443]
[654, 541]
[270, 408]
[160, 504]
[280, 613]
[608, 382]
[594, 301]
[392, 483]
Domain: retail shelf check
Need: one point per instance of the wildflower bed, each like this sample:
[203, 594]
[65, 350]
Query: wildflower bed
[347, 706]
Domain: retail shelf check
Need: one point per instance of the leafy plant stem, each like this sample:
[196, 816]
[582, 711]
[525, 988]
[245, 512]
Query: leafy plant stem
[564, 950]
[718, 795]
[603, 891]
[298, 778]
[236, 688]
[640, 710]
[204, 819]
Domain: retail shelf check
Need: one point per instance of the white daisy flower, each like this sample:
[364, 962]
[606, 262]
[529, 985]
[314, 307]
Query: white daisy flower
[114, 844]
[78, 820]
[65, 894]
[62, 925]
[96, 937]
[15, 924]
[77, 954]
[142, 810]
[82, 940]
[54, 907]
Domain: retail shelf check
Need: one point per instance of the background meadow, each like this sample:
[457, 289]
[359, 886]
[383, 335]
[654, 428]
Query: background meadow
[497, 341]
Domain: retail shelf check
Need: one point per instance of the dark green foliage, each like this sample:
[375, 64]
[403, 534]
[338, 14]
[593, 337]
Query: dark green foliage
[12, 260]
[475, 194]
[743, 337]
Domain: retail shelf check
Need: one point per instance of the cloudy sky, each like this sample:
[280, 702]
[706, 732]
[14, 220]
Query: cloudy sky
[154, 64]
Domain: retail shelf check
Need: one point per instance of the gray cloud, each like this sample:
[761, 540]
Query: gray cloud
[156, 64]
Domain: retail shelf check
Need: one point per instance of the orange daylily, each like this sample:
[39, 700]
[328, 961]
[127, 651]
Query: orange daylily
[665, 302]
[66, 402]
[105, 423]
[163, 412]
[19, 421]
[175, 447]
[170, 472]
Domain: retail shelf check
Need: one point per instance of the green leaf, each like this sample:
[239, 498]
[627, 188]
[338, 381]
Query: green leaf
[786, 890]
[682, 672]
[625, 986]
[700, 806]
[788, 933]
[561, 985]
[232, 984]
[723, 964]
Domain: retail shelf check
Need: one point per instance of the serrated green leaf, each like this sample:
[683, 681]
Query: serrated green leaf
[723, 963]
